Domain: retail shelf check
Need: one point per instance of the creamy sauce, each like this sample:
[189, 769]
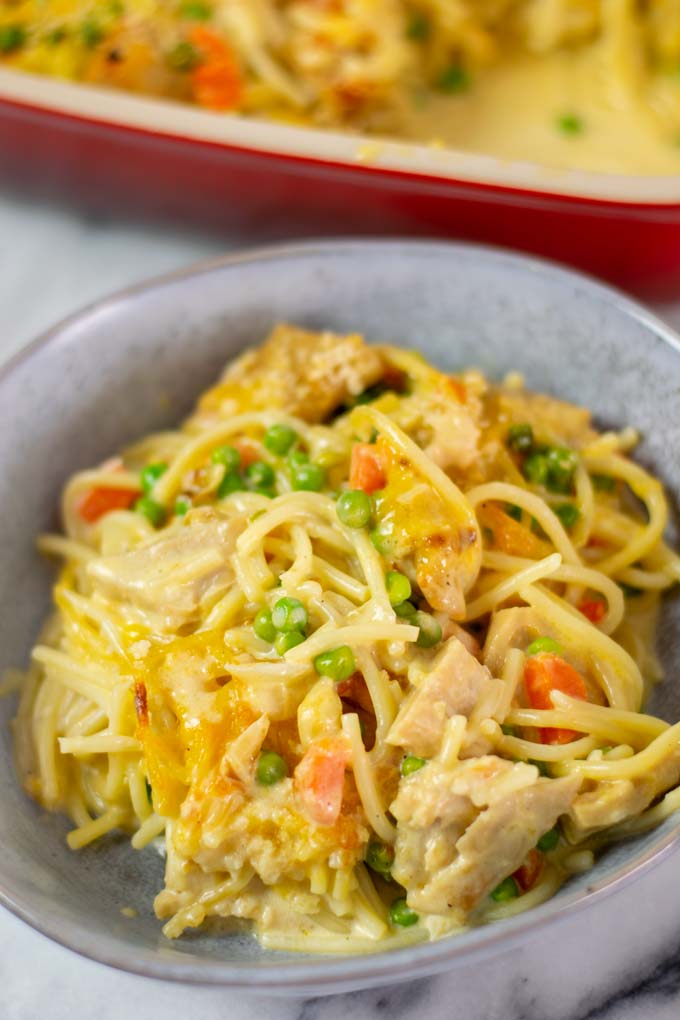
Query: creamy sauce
[513, 111]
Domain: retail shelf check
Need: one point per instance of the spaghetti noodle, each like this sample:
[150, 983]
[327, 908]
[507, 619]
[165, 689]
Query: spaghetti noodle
[360, 644]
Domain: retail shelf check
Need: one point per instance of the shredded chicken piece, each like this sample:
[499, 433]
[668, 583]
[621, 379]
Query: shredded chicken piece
[608, 803]
[452, 685]
[307, 374]
[492, 811]
[166, 579]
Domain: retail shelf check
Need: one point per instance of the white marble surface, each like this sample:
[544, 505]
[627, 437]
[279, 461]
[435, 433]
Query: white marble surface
[619, 961]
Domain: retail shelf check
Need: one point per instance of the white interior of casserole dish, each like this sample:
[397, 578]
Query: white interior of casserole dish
[169, 118]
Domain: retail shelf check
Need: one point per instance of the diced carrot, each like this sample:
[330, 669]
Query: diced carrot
[102, 500]
[528, 874]
[320, 779]
[544, 674]
[509, 535]
[249, 450]
[594, 609]
[216, 83]
[366, 471]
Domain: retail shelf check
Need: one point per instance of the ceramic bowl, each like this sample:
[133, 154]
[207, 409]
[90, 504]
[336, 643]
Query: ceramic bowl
[135, 363]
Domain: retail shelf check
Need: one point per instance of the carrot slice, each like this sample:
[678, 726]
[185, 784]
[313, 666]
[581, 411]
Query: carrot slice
[216, 83]
[320, 779]
[594, 609]
[366, 471]
[102, 501]
[250, 451]
[544, 674]
[529, 872]
[509, 536]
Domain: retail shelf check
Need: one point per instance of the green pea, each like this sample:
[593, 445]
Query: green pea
[297, 457]
[604, 483]
[418, 27]
[308, 478]
[12, 37]
[263, 625]
[336, 663]
[230, 483]
[288, 639]
[183, 57]
[354, 508]
[149, 508]
[561, 464]
[182, 505]
[271, 768]
[196, 11]
[289, 614]
[567, 513]
[544, 644]
[402, 915]
[410, 764]
[454, 79]
[430, 633]
[227, 455]
[398, 587]
[380, 537]
[259, 475]
[379, 858]
[150, 475]
[405, 610]
[56, 35]
[520, 438]
[570, 124]
[549, 840]
[507, 890]
[535, 469]
[278, 439]
[91, 33]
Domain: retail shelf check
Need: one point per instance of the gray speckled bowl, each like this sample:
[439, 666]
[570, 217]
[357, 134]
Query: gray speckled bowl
[135, 363]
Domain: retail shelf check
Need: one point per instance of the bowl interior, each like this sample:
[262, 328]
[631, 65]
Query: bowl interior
[136, 363]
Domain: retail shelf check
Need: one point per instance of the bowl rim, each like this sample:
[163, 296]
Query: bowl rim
[347, 151]
[331, 974]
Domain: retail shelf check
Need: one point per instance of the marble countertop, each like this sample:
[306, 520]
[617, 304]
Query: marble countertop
[617, 961]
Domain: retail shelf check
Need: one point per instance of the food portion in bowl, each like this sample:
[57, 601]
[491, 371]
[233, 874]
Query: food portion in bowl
[583, 83]
[364, 643]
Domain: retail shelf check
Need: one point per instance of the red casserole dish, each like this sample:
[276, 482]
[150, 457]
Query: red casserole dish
[148, 158]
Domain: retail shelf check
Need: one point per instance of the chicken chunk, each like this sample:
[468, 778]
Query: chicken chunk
[452, 686]
[436, 793]
[495, 845]
[610, 802]
[548, 416]
[306, 374]
[165, 580]
[473, 825]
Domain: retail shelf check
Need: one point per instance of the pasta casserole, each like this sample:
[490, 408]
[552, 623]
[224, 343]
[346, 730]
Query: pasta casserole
[362, 647]
[586, 83]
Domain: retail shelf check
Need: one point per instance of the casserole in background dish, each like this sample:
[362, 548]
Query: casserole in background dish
[110, 151]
